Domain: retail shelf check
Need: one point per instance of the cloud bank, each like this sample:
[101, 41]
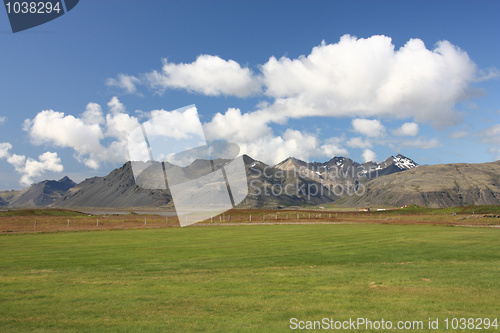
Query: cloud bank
[355, 77]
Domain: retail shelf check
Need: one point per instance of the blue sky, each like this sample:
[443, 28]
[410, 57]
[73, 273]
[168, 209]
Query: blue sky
[311, 79]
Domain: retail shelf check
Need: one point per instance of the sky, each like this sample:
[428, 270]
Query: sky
[308, 79]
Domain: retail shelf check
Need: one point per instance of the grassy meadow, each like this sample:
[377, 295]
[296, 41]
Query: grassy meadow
[245, 278]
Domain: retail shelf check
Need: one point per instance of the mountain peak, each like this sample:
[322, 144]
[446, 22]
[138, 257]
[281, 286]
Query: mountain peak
[404, 162]
[65, 179]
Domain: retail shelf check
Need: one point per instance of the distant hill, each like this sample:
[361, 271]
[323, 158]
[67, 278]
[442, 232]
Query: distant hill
[342, 172]
[397, 181]
[38, 195]
[117, 189]
[442, 185]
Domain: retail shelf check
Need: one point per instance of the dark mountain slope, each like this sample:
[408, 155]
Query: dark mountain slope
[117, 189]
[42, 194]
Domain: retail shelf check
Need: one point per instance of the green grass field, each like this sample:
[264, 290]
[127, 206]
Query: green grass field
[246, 278]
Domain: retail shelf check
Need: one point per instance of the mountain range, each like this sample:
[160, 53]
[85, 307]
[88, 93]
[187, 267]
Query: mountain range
[396, 181]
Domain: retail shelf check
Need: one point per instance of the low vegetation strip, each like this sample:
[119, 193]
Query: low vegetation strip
[40, 212]
[48, 220]
[246, 278]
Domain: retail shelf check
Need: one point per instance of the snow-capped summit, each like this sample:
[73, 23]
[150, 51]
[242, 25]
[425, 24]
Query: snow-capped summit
[404, 162]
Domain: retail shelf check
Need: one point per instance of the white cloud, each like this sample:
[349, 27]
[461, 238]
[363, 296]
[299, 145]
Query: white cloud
[237, 127]
[421, 143]
[274, 149]
[333, 147]
[368, 77]
[208, 75]
[126, 82]
[59, 130]
[97, 138]
[93, 114]
[85, 134]
[369, 155]
[5, 147]
[3, 119]
[355, 77]
[358, 142]
[407, 129]
[31, 168]
[368, 127]
[255, 138]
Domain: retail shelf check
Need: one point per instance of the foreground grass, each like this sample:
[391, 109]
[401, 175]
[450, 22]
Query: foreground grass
[245, 278]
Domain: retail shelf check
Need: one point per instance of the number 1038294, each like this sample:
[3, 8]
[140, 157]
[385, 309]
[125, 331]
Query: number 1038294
[471, 323]
[32, 7]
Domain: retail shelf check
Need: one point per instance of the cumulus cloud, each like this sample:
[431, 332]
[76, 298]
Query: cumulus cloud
[354, 77]
[5, 147]
[407, 129]
[55, 128]
[126, 82]
[368, 77]
[274, 149]
[257, 139]
[334, 147]
[237, 127]
[358, 142]
[93, 114]
[368, 127]
[369, 155]
[208, 75]
[3, 119]
[98, 138]
[85, 134]
[30, 168]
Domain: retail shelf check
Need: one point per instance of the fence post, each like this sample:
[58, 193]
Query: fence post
[35, 224]
[298, 217]
[250, 218]
[276, 217]
[98, 223]
[68, 223]
[145, 221]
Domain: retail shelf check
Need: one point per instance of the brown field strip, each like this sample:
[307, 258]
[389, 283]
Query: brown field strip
[21, 224]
